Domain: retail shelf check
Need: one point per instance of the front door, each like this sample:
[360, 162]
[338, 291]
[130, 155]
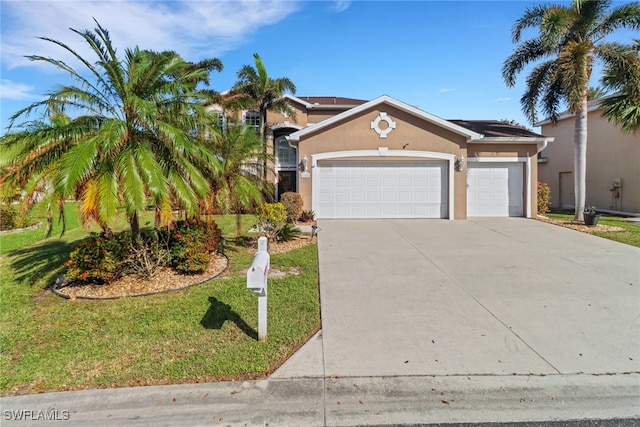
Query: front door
[286, 182]
[567, 199]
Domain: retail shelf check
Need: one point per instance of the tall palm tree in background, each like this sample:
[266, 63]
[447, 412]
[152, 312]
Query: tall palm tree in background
[263, 93]
[568, 40]
[238, 185]
[131, 140]
[622, 76]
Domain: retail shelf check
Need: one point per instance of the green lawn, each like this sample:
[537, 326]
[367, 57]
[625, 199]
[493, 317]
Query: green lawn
[204, 333]
[630, 235]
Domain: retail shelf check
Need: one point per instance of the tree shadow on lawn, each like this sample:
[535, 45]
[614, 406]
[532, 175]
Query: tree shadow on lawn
[45, 261]
[219, 312]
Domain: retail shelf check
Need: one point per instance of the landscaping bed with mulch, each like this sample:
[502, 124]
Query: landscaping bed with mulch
[167, 279]
[580, 226]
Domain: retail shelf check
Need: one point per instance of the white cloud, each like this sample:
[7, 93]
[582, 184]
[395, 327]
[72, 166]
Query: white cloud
[446, 89]
[502, 99]
[341, 5]
[15, 91]
[195, 29]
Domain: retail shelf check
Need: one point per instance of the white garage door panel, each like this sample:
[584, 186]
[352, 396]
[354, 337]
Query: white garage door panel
[386, 189]
[494, 189]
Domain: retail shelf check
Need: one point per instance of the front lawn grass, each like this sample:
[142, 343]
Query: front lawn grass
[204, 333]
[630, 235]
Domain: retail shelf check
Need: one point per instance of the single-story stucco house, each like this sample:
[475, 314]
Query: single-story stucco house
[613, 163]
[384, 158]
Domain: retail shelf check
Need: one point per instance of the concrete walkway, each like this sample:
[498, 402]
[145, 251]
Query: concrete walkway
[427, 322]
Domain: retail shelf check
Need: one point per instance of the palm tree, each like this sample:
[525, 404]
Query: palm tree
[263, 94]
[595, 93]
[569, 39]
[622, 76]
[132, 139]
[238, 185]
[31, 160]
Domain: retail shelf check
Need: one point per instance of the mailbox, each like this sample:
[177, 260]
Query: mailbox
[257, 282]
[257, 273]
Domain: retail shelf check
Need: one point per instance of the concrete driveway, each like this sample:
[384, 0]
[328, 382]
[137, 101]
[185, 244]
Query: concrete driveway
[427, 321]
[475, 297]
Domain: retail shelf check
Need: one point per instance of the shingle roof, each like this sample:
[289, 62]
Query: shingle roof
[495, 128]
[331, 100]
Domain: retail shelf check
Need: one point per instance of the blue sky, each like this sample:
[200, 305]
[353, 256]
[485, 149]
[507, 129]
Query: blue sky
[444, 57]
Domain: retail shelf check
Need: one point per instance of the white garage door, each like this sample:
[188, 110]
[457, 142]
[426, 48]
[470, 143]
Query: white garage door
[494, 189]
[381, 189]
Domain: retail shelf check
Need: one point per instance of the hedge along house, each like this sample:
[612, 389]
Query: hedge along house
[386, 159]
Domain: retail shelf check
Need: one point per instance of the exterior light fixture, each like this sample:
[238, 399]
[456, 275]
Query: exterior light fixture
[305, 164]
[460, 164]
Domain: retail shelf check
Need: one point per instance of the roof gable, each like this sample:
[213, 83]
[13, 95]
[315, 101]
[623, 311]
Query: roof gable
[385, 100]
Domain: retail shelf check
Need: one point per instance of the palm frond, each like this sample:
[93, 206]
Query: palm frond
[531, 18]
[527, 52]
[623, 16]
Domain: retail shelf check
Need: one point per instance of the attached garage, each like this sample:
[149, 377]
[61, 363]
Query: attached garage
[388, 159]
[382, 189]
[494, 189]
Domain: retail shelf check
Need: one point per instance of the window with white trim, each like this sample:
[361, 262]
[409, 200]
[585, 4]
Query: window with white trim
[252, 119]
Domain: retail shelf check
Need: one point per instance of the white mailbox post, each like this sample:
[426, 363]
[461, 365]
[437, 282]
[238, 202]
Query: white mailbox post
[257, 282]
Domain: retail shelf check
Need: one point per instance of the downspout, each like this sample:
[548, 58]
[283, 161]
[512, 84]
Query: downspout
[541, 146]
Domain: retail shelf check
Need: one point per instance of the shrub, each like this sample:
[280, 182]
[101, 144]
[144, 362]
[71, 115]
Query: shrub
[191, 245]
[544, 198]
[293, 204]
[287, 232]
[8, 217]
[100, 258]
[307, 216]
[150, 254]
[271, 218]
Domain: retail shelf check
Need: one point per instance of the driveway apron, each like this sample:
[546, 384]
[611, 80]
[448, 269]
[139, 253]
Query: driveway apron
[475, 297]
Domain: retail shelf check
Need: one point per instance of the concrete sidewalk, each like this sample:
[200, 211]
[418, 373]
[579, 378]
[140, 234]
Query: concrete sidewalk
[337, 402]
[427, 322]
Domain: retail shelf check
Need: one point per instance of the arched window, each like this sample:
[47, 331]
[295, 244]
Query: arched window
[285, 154]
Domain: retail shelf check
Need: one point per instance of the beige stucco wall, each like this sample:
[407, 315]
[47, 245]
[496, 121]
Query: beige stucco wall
[356, 134]
[411, 133]
[611, 154]
[299, 118]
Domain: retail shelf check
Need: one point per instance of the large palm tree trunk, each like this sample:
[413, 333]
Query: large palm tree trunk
[580, 159]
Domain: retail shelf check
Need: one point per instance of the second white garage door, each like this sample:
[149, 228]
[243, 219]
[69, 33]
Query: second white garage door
[381, 189]
[494, 189]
